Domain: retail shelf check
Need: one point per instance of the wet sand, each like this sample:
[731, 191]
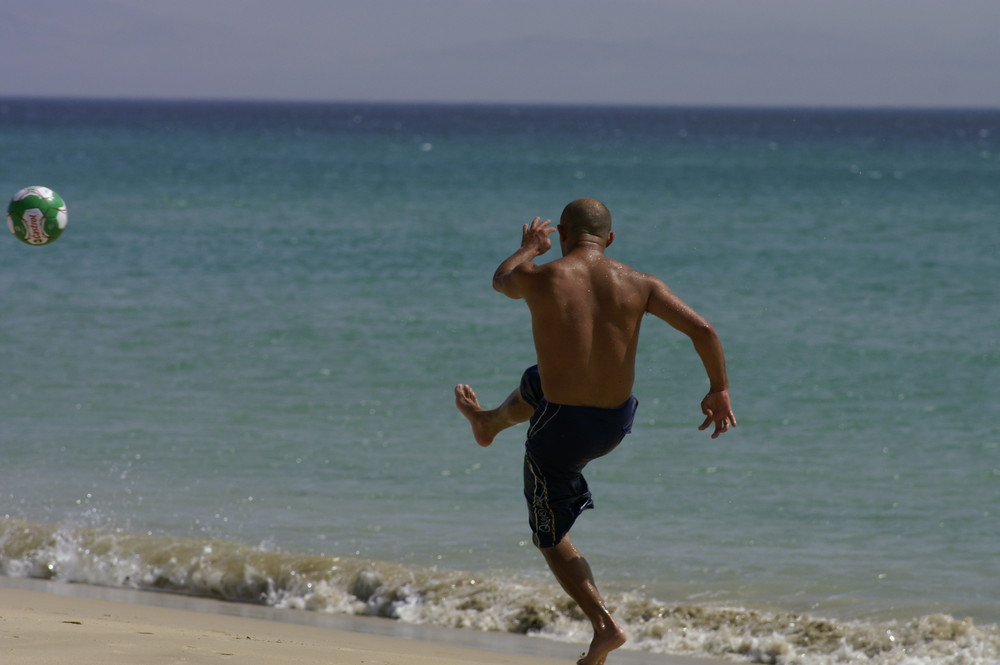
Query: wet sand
[49, 622]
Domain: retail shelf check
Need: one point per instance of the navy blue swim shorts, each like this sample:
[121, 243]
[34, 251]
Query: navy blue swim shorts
[561, 441]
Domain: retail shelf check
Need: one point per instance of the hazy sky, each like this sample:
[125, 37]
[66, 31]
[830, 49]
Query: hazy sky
[734, 52]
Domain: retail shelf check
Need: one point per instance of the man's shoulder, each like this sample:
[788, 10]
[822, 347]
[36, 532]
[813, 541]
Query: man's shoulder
[531, 270]
[628, 272]
[531, 278]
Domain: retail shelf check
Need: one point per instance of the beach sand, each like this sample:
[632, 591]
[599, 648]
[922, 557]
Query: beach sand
[44, 623]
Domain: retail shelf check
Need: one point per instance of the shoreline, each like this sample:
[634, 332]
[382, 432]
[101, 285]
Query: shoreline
[45, 621]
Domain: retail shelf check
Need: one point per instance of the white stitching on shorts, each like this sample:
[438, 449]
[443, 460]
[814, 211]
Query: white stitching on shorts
[544, 418]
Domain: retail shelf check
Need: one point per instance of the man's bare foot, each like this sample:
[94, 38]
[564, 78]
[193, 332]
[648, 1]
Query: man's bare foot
[484, 426]
[604, 642]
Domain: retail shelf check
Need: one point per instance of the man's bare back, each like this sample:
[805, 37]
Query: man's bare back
[586, 310]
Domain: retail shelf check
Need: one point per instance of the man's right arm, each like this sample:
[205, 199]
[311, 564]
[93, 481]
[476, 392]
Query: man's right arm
[509, 276]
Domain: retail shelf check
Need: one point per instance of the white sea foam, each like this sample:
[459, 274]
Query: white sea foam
[237, 572]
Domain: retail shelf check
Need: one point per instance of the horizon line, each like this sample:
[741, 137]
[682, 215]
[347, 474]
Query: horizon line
[501, 103]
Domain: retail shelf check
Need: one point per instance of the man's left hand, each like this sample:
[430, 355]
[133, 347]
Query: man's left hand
[718, 410]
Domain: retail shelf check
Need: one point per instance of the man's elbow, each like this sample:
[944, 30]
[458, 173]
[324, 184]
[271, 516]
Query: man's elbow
[703, 333]
[503, 285]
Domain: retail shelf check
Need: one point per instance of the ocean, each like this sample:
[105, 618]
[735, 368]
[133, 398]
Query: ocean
[232, 375]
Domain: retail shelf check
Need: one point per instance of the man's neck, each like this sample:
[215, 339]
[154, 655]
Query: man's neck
[585, 245]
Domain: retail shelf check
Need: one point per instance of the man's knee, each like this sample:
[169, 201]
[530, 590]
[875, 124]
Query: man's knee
[549, 543]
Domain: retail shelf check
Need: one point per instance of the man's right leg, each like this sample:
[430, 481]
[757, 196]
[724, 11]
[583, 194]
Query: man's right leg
[487, 423]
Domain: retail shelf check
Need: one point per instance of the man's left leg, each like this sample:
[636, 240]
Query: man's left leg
[574, 574]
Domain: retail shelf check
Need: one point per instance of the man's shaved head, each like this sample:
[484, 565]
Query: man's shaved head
[586, 216]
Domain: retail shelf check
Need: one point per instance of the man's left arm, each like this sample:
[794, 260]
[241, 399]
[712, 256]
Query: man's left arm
[716, 406]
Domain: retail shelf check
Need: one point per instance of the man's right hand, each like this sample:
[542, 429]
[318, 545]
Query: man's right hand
[535, 236]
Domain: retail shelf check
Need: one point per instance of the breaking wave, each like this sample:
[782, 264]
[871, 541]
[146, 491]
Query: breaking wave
[238, 572]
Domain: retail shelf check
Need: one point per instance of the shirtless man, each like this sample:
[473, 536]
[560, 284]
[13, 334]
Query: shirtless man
[586, 310]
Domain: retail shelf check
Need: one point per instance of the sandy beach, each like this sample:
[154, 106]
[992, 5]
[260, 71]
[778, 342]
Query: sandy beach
[54, 623]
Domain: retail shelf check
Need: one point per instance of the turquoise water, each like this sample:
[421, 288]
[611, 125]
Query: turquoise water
[242, 351]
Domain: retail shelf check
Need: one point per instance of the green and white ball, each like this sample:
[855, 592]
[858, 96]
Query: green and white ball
[36, 215]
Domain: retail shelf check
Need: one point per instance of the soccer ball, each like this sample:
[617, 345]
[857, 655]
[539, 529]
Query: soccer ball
[36, 215]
